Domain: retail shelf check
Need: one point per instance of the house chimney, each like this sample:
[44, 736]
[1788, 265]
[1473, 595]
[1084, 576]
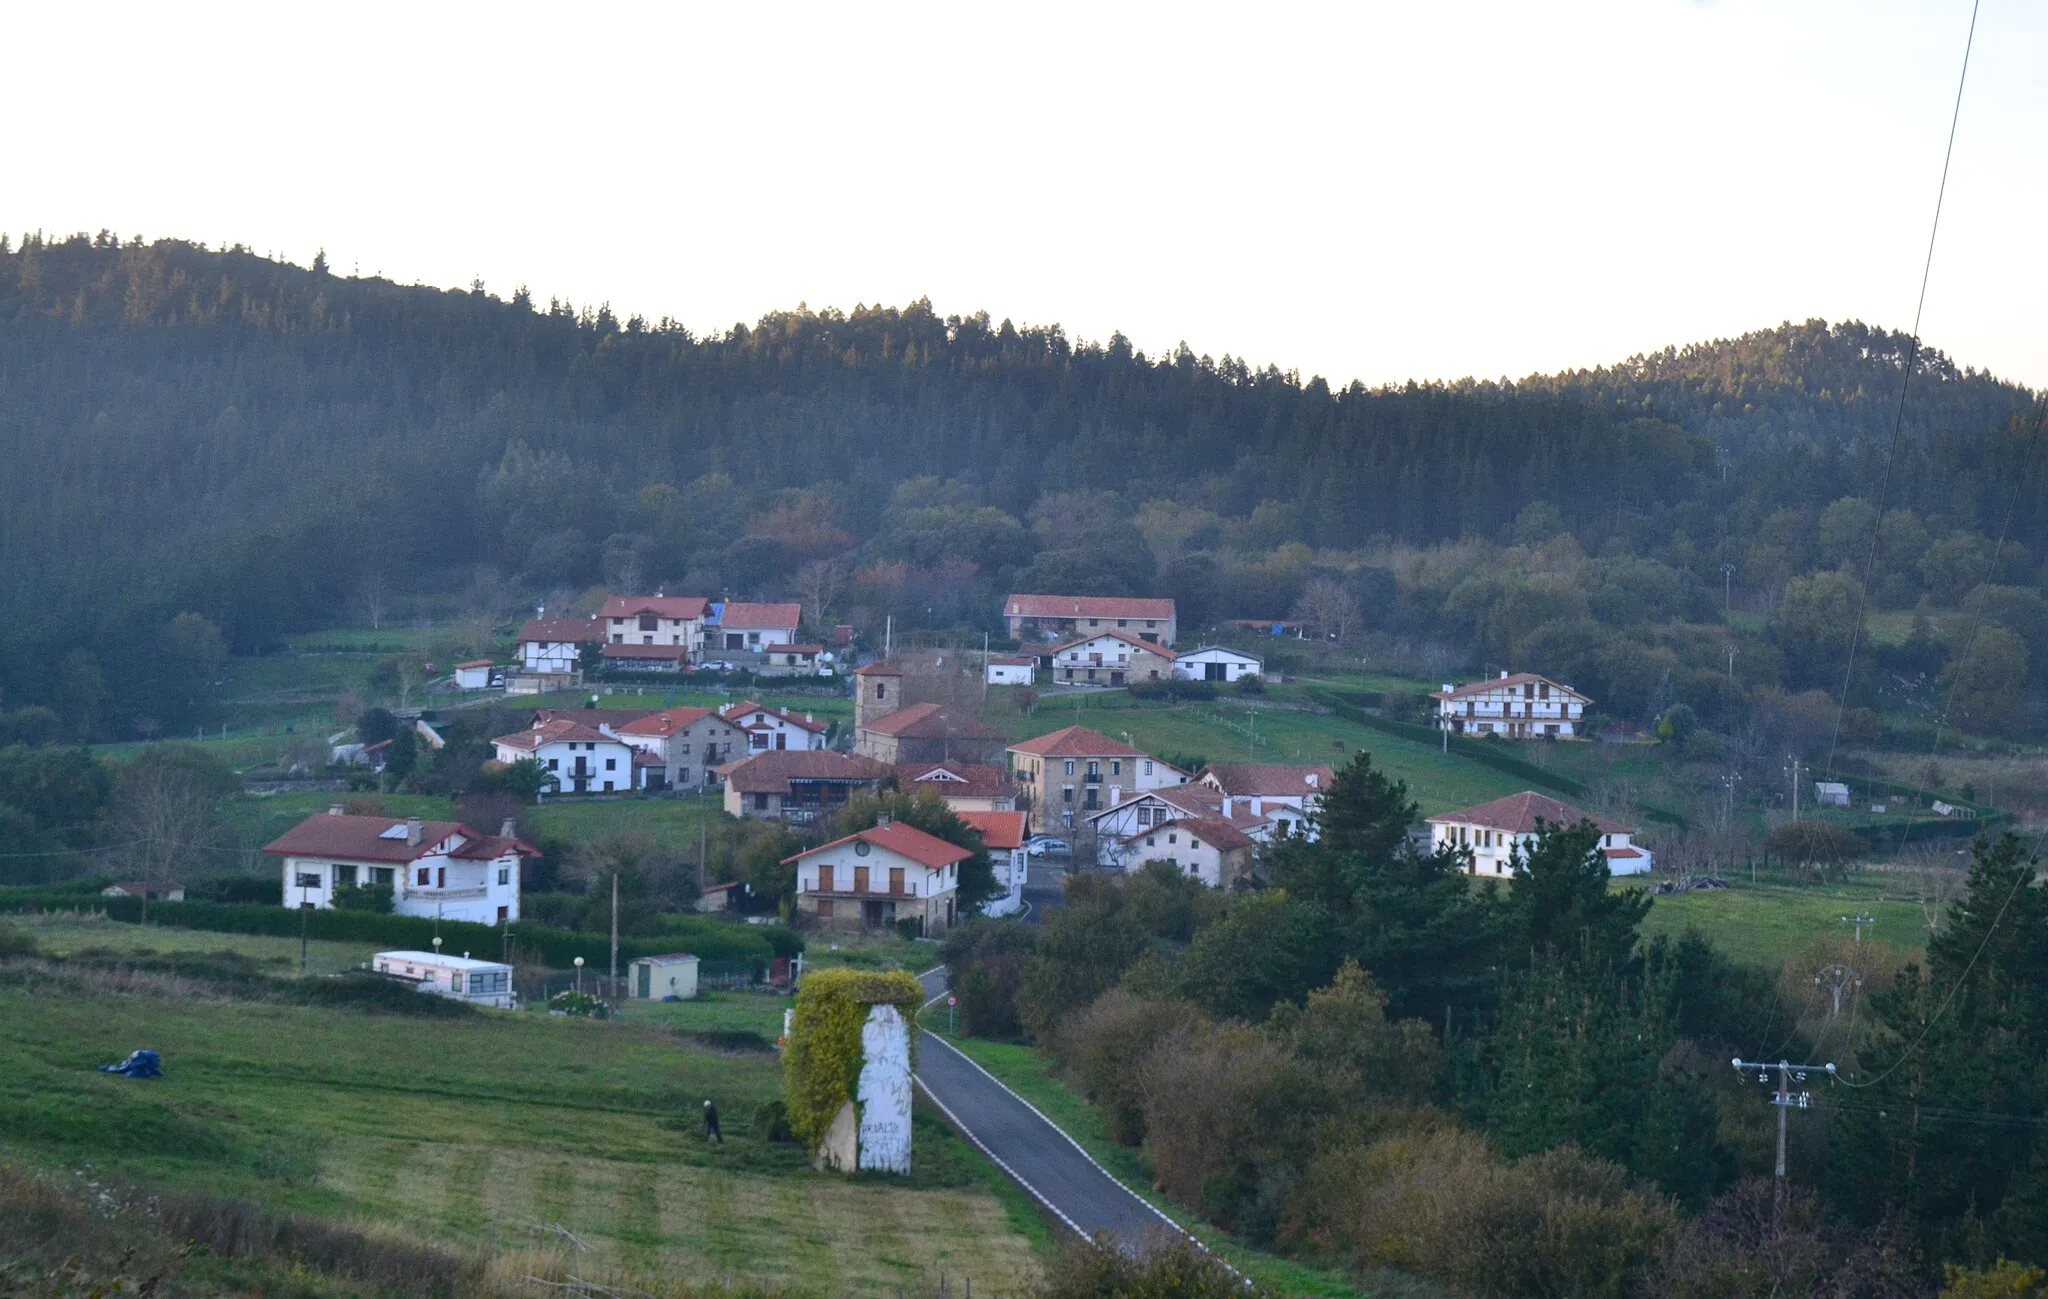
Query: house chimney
[1228, 803]
[415, 830]
[881, 819]
[334, 809]
[508, 829]
[1503, 674]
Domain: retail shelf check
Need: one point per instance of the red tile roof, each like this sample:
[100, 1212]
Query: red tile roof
[927, 850]
[1076, 742]
[745, 708]
[930, 722]
[956, 779]
[1518, 814]
[1087, 606]
[1011, 661]
[475, 663]
[998, 830]
[1515, 679]
[559, 731]
[666, 722]
[576, 631]
[1124, 636]
[361, 838]
[1219, 834]
[1273, 779]
[878, 668]
[772, 770]
[761, 616]
[682, 607]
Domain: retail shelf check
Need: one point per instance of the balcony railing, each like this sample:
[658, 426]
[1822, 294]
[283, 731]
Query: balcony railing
[415, 892]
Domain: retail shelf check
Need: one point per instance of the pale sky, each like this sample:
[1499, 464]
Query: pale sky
[1371, 191]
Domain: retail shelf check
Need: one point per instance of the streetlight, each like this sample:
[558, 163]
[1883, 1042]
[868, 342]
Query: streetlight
[579, 974]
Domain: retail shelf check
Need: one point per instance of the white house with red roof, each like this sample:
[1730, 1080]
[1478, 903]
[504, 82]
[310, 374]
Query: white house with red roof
[1004, 834]
[574, 757]
[1126, 823]
[549, 646]
[1288, 794]
[750, 627]
[1207, 848]
[1491, 835]
[1071, 772]
[874, 878]
[1111, 658]
[762, 728]
[672, 620]
[1515, 706]
[686, 743]
[442, 869]
[1062, 617]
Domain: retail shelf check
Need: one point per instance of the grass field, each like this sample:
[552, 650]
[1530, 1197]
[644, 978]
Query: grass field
[1765, 923]
[60, 935]
[501, 1135]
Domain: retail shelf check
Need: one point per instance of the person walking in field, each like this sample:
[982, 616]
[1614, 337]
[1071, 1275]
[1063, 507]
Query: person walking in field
[711, 1123]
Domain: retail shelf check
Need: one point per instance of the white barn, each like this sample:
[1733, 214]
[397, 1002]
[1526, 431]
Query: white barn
[1010, 670]
[1215, 663]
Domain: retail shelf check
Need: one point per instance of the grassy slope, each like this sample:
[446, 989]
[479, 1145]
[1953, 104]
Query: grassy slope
[481, 1134]
[1031, 1076]
[1765, 923]
[63, 935]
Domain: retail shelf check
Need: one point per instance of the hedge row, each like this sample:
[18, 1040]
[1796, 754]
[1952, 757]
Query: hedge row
[710, 940]
[1483, 752]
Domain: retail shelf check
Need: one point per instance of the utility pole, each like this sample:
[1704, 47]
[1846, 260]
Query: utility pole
[1793, 767]
[615, 933]
[1837, 978]
[305, 905]
[1728, 581]
[1860, 919]
[1788, 1074]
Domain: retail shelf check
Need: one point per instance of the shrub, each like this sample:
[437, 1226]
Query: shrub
[374, 898]
[570, 1001]
[985, 959]
[1103, 1046]
[16, 942]
[1251, 684]
[1175, 1269]
[1815, 843]
[771, 1122]
[1432, 1201]
[368, 992]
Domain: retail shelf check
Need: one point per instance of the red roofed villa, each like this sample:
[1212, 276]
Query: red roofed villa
[880, 876]
[1075, 771]
[1518, 706]
[439, 869]
[1491, 834]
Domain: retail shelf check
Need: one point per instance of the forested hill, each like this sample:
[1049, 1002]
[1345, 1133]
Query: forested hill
[1797, 385]
[186, 429]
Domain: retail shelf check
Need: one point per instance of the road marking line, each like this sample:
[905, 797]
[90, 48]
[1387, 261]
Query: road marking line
[1113, 1179]
[998, 1161]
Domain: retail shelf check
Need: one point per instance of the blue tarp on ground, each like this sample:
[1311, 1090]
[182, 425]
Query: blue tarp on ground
[139, 1064]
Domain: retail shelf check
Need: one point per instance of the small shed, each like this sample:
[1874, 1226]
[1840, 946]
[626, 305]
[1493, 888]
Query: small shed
[1830, 793]
[159, 891]
[487, 983]
[662, 978]
[473, 675]
[719, 897]
[1010, 669]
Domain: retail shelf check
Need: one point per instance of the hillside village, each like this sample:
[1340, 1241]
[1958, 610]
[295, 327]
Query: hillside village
[1070, 796]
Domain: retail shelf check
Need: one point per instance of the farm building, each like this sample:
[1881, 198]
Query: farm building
[487, 983]
[473, 675]
[1009, 669]
[1215, 663]
[662, 978]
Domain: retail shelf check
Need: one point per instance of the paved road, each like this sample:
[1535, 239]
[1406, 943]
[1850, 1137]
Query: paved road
[1027, 1146]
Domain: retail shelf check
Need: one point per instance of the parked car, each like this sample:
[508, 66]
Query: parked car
[1048, 845]
[716, 665]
